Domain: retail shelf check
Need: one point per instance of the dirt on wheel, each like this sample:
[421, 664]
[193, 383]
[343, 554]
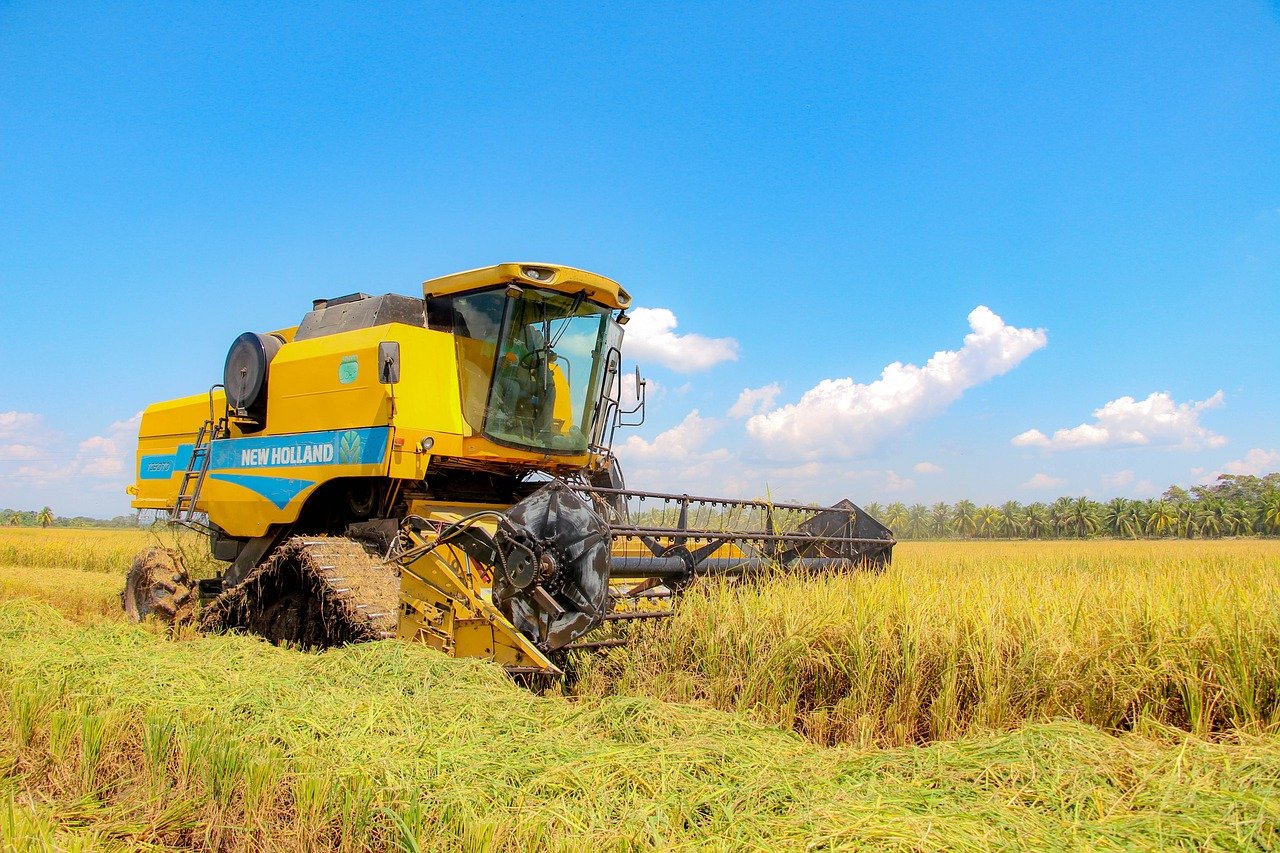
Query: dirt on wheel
[158, 585]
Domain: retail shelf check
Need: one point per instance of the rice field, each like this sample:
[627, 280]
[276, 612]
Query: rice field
[975, 696]
[88, 550]
[962, 638]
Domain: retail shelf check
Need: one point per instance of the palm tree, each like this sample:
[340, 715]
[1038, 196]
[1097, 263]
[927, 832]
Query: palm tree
[1237, 520]
[918, 521]
[1209, 517]
[940, 518]
[1035, 520]
[895, 515]
[1060, 516]
[14, 519]
[1269, 514]
[1188, 525]
[1014, 521]
[1162, 519]
[1122, 517]
[1083, 516]
[989, 520]
[44, 517]
[1113, 516]
[965, 516]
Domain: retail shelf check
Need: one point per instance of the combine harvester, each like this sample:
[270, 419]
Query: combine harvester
[438, 469]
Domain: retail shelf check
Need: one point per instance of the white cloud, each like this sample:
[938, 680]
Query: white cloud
[18, 424]
[676, 460]
[1119, 479]
[21, 436]
[1256, 462]
[650, 336]
[107, 457]
[754, 400]
[1044, 481]
[1156, 421]
[895, 483]
[840, 417]
[629, 393]
[16, 452]
[679, 442]
[926, 468]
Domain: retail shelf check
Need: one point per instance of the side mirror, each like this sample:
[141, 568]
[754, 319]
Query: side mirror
[639, 382]
[389, 362]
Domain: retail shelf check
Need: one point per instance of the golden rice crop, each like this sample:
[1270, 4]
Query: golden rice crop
[79, 595]
[111, 736]
[89, 550]
[958, 639]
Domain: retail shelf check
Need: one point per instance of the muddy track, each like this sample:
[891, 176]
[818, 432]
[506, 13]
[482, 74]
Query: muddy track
[313, 592]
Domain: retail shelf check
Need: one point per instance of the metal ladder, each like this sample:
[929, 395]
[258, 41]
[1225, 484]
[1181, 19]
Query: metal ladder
[184, 507]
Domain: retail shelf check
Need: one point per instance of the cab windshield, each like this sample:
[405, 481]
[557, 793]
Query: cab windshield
[530, 367]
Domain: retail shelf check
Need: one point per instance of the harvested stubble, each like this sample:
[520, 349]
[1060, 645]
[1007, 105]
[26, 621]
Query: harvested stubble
[110, 735]
[962, 639]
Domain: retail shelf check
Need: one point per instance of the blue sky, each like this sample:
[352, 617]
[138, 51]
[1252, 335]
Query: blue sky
[811, 192]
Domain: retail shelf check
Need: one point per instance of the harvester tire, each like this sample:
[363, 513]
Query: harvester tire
[158, 585]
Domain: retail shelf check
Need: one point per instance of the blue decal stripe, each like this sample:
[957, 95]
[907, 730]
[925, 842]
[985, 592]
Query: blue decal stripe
[364, 446]
[278, 490]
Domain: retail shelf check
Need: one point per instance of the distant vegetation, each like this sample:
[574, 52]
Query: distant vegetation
[1236, 505]
[45, 517]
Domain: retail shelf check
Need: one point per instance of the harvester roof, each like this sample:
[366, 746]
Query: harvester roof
[551, 276]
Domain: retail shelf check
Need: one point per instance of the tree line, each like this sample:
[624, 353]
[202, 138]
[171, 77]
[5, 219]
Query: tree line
[1234, 505]
[45, 517]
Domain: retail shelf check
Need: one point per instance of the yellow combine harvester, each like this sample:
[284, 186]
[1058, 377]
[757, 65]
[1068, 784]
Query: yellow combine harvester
[438, 469]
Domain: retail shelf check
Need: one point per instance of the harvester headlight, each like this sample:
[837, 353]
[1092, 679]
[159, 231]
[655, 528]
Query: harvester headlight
[427, 443]
[537, 273]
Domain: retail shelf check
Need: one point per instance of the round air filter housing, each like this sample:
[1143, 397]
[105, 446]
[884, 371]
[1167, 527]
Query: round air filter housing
[245, 374]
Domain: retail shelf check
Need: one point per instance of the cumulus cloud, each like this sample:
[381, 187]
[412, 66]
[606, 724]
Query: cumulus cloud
[629, 392]
[1256, 462]
[754, 400]
[926, 468]
[1044, 481]
[15, 424]
[677, 459]
[1119, 479]
[651, 336]
[1157, 421]
[20, 436]
[108, 456]
[844, 418]
[895, 483]
[18, 452]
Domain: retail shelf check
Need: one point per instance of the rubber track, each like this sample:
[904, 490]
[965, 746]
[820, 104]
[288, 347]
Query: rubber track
[313, 591]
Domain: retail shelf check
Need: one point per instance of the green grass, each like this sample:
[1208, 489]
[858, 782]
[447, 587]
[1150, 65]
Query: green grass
[110, 735]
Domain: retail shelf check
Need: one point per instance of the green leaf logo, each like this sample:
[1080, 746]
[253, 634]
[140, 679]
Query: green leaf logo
[350, 445]
[348, 369]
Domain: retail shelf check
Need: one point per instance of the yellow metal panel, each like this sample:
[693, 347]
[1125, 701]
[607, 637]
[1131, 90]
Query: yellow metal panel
[441, 608]
[329, 382]
[565, 279]
[325, 384]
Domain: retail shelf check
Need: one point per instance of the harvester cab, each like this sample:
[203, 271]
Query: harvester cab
[439, 470]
